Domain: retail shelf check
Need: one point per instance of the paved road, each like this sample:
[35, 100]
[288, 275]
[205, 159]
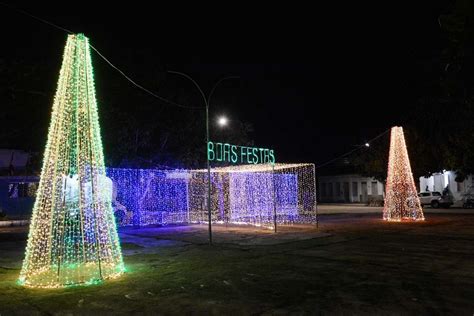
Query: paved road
[361, 209]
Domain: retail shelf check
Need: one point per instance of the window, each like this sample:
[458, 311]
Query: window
[323, 189]
[17, 190]
[21, 190]
[460, 186]
[425, 194]
[375, 188]
[363, 186]
[436, 194]
[338, 188]
[345, 189]
[330, 191]
[355, 189]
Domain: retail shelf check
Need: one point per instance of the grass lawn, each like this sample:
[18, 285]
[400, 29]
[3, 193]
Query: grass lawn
[354, 264]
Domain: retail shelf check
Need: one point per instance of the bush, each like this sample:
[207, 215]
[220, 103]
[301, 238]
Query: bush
[375, 201]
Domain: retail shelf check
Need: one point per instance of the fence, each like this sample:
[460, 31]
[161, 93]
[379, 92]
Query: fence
[258, 195]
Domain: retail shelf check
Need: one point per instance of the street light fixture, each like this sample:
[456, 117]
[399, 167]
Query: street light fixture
[361, 145]
[222, 121]
[206, 102]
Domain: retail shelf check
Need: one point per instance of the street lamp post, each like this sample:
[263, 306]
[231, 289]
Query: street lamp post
[206, 102]
[209, 217]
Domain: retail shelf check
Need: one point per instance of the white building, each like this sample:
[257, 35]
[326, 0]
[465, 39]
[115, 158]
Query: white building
[438, 182]
[350, 188]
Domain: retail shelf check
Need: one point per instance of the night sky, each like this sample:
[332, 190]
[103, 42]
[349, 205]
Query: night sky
[313, 81]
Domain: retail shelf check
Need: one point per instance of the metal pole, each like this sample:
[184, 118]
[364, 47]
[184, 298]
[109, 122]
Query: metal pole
[274, 202]
[207, 102]
[208, 176]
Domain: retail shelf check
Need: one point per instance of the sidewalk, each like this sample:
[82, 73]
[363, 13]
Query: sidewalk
[357, 208]
[15, 222]
[343, 204]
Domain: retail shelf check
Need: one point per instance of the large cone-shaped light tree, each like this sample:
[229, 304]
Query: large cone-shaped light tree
[401, 199]
[73, 237]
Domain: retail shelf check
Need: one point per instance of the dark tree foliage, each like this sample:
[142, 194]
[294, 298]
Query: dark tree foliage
[23, 95]
[373, 161]
[440, 130]
[138, 131]
[151, 133]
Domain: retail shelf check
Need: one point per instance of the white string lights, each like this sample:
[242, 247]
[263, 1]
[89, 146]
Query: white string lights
[259, 195]
[73, 238]
[145, 197]
[401, 199]
[246, 194]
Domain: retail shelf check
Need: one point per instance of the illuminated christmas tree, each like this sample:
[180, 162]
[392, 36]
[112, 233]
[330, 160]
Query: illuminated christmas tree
[73, 237]
[401, 199]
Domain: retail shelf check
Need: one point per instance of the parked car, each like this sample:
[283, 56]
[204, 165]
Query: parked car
[435, 199]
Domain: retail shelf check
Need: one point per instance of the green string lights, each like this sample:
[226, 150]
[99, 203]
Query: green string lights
[73, 237]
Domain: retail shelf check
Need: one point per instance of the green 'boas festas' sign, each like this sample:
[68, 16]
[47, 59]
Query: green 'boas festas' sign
[239, 154]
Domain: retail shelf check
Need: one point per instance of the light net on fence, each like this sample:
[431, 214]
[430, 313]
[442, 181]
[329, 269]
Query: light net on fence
[248, 194]
[149, 196]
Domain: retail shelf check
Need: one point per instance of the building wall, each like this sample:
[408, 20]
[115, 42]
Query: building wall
[349, 189]
[439, 181]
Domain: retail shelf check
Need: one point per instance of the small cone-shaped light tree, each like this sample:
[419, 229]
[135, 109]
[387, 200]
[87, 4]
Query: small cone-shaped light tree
[73, 238]
[401, 199]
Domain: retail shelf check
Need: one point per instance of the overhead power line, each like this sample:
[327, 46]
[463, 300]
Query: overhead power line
[152, 93]
[104, 58]
[141, 87]
[351, 151]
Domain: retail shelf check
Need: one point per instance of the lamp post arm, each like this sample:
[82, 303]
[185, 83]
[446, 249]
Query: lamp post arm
[207, 157]
[215, 86]
[194, 82]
